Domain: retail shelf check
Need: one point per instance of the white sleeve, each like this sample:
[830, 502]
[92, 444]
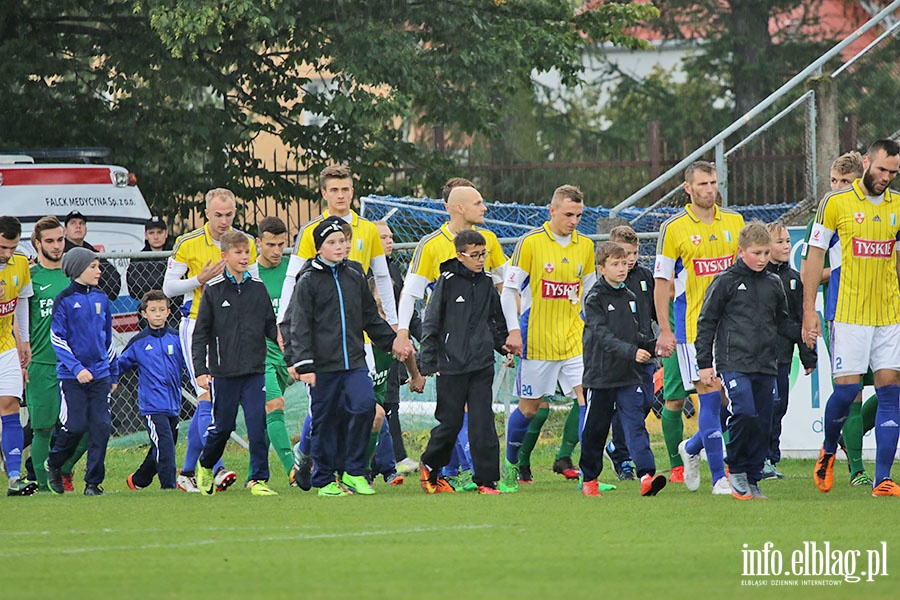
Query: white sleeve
[664, 267]
[512, 284]
[820, 236]
[498, 273]
[253, 270]
[22, 311]
[413, 289]
[385, 288]
[587, 282]
[173, 284]
[510, 308]
[295, 264]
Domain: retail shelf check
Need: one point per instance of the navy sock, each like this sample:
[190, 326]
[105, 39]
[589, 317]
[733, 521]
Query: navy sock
[195, 440]
[837, 409]
[695, 443]
[451, 469]
[515, 435]
[887, 430]
[582, 414]
[306, 436]
[711, 432]
[13, 441]
[462, 446]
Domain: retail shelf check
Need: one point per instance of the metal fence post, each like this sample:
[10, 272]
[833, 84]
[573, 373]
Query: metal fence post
[722, 169]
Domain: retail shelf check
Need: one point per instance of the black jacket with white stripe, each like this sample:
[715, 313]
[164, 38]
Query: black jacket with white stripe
[613, 333]
[463, 322]
[232, 325]
[331, 307]
[743, 312]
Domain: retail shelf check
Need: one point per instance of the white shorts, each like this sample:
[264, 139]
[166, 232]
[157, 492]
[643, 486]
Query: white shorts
[856, 348]
[10, 374]
[186, 335]
[537, 378]
[687, 364]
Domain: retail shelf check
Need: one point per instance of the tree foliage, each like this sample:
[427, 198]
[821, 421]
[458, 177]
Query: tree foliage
[180, 89]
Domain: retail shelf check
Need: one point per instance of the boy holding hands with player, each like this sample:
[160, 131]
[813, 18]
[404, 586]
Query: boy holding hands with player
[233, 322]
[615, 348]
[87, 369]
[330, 308]
[743, 314]
[463, 324]
[156, 352]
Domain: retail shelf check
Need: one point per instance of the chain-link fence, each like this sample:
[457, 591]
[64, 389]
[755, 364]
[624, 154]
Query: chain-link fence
[410, 220]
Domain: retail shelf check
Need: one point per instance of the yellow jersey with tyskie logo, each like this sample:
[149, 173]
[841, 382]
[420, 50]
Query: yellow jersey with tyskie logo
[15, 276]
[195, 249]
[551, 291]
[365, 246]
[690, 253]
[860, 238]
[437, 247]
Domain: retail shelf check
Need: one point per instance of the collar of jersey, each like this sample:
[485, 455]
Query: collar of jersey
[354, 218]
[445, 230]
[861, 194]
[233, 279]
[552, 235]
[696, 219]
[209, 239]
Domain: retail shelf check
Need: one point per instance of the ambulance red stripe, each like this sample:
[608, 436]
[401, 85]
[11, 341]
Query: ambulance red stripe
[56, 176]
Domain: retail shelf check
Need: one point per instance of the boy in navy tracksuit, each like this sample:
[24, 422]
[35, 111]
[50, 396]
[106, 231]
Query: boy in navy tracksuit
[743, 313]
[463, 325]
[779, 264]
[614, 349]
[323, 346]
[156, 352]
[81, 334]
[234, 319]
[641, 283]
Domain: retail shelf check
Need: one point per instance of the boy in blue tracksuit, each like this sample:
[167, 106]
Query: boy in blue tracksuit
[81, 334]
[156, 352]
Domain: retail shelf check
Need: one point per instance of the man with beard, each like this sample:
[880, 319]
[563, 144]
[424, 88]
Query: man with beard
[41, 394]
[858, 226]
[694, 246]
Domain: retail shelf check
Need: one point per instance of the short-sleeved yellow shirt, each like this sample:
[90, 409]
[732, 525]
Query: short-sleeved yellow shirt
[692, 253]
[195, 249]
[15, 275]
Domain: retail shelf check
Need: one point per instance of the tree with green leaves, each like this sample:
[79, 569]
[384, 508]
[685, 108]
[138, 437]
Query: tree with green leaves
[180, 89]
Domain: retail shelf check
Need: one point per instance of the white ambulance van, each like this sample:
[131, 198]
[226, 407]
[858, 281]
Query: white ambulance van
[106, 195]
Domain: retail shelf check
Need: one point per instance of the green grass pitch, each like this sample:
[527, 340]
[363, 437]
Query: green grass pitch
[547, 541]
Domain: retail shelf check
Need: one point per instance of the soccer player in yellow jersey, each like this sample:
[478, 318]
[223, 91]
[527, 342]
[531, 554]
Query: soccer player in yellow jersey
[694, 246]
[195, 260]
[858, 226]
[551, 270]
[15, 289]
[336, 186]
[466, 209]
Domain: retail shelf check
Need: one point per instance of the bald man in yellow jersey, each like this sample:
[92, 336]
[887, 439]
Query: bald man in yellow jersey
[694, 246]
[551, 270]
[859, 227]
[336, 187]
[466, 209]
[15, 289]
[197, 258]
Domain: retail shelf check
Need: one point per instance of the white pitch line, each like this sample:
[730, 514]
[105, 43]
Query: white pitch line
[154, 530]
[207, 542]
